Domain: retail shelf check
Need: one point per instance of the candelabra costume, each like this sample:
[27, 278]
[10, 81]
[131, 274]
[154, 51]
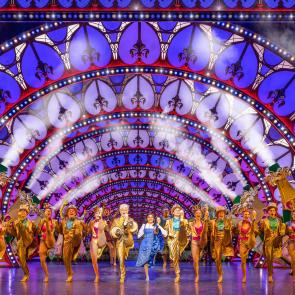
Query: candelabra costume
[221, 239]
[199, 232]
[24, 230]
[46, 229]
[72, 230]
[152, 243]
[273, 230]
[98, 239]
[122, 230]
[177, 232]
[247, 231]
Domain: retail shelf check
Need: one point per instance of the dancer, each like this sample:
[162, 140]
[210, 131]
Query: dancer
[122, 230]
[177, 232]
[24, 230]
[199, 232]
[46, 229]
[72, 230]
[247, 230]
[273, 231]
[98, 239]
[151, 244]
[3, 231]
[221, 239]
[163, 219]
[290, 231]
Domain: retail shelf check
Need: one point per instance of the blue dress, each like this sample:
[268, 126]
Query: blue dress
[149, 247]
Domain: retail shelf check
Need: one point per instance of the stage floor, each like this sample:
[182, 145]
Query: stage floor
[160, 282]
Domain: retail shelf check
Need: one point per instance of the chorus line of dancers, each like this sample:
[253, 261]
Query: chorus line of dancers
[169, 235]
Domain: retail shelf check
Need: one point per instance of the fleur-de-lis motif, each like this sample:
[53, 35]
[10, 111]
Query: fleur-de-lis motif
[4, 95]
[112, 142]
[116, 161]
[242, 134]
[86, 149]
[43, 183]
[100, 101]
[138, 98]
[188, 54]
[61, 163]
[31, 134]
[138, 140]
[89, 54]
[213, 164]
[212, 114]
[164, 143]
[43, 69]
[75, 180]
[94, 168]
[278, 96]
[63, 113]
[180, 168]
[235, 70]
[232, 184]
[138, 159]
[176, 102]
[139, 48]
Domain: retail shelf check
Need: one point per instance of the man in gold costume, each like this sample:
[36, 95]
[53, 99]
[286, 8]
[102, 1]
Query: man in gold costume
[177, 237]
[46, 229]
[72, 230]
[247, 230]
[221, 239]
[122, 230]
[273, 230]
[24, 230]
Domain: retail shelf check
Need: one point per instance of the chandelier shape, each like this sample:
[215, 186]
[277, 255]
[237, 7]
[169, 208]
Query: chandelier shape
[139, 49]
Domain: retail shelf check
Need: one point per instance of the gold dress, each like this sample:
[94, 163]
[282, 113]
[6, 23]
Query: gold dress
[273, 230]
[177, 239]
[72, 231]
[2, 240]
[122, 231]
[221, 241]
[24, 230]
[290, 231]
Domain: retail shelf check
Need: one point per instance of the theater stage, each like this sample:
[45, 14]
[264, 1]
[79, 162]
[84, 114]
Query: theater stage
[160, 283]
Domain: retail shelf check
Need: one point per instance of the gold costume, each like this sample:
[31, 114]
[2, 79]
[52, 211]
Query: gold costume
[273, 230]
[290, 231]
[177, 240]
[2, 240]
[72, 231]
[24, 230]
[46, 230]
[221, 242]
[122, 231]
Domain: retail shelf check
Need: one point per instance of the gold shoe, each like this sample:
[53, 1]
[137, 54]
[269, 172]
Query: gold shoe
[69, 279]
[177, 279]
[25, 278]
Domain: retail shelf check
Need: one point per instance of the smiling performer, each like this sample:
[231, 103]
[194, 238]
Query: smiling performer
[199, 232]
[122, 230]
[247, 230]
[98, 241]
[72, 230]
[273, 231]
[221, 239]
[152, 243]
[24, 230]
[177, 233]
[46, 229]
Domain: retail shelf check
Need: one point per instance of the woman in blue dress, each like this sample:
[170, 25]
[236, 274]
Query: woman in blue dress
[152, 243]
